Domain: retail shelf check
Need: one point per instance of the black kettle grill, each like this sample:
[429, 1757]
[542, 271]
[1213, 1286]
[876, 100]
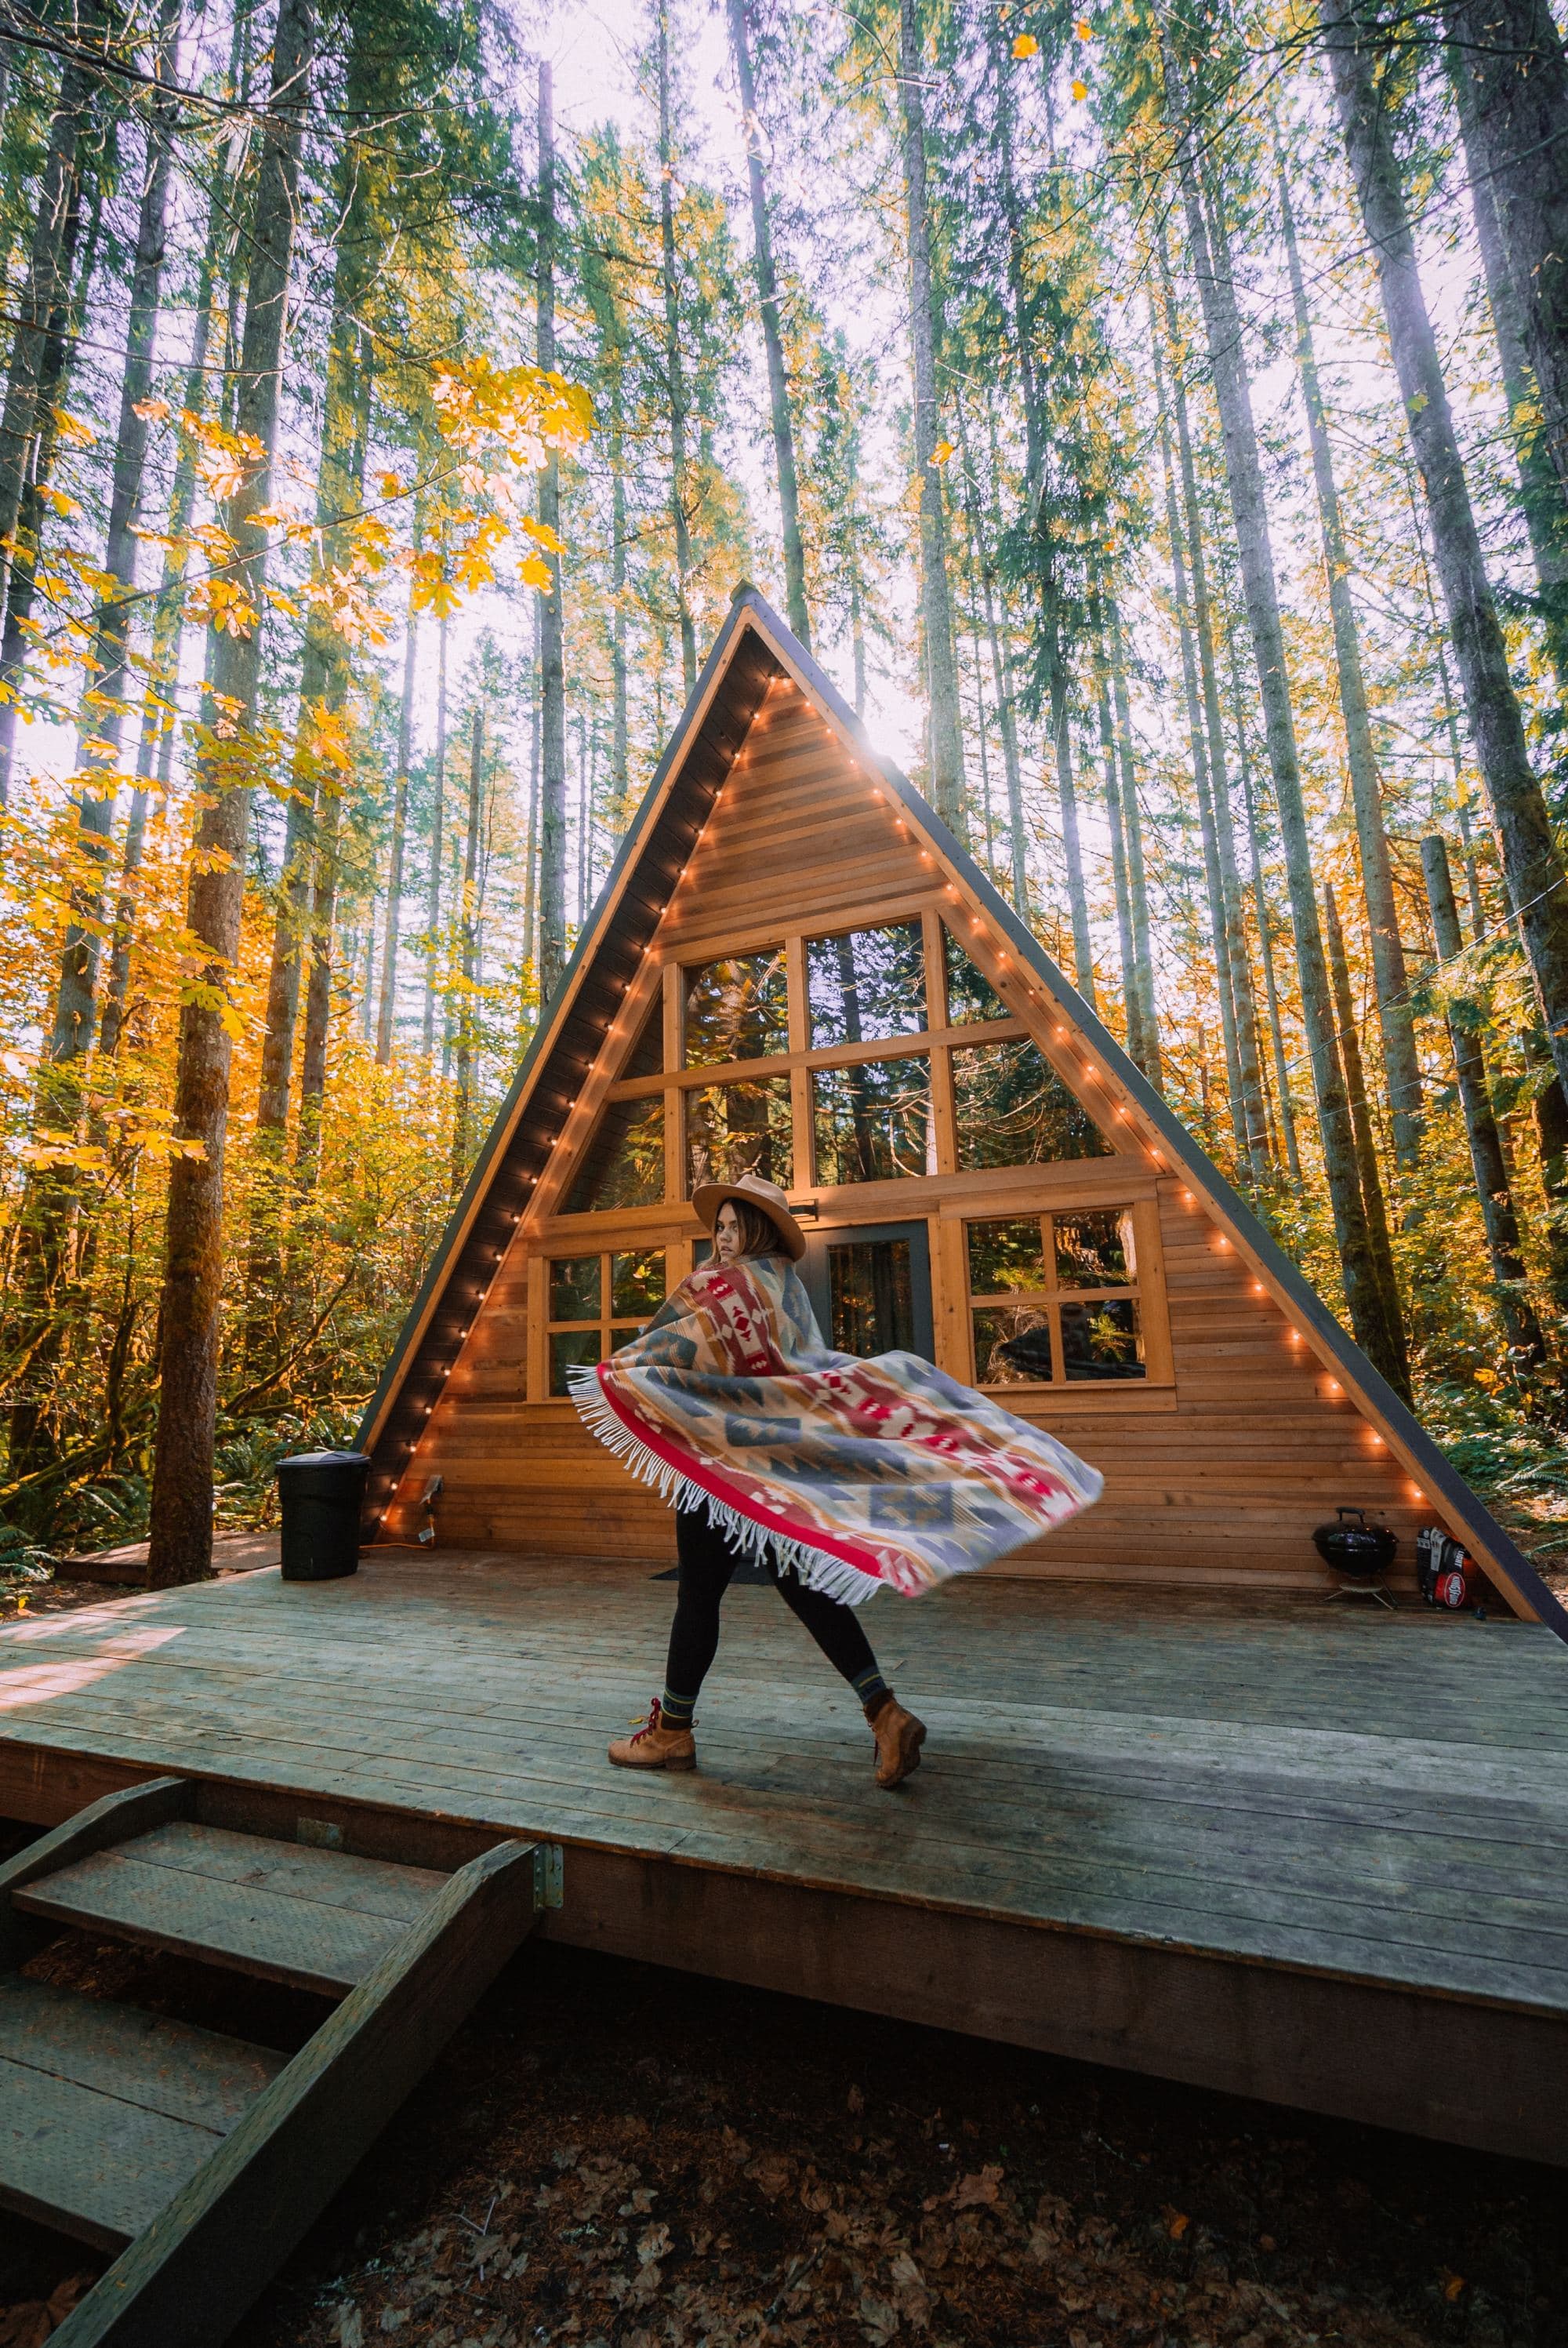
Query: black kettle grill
[1360, 1551]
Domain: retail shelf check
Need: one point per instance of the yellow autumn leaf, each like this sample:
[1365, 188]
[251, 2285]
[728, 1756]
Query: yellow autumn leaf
[534, 571]
[154, 411]
[1026, 46]
[941, 452]
[437, 595]
[543, 535]
[1080, 90]
[1081, 28]
[390, 485]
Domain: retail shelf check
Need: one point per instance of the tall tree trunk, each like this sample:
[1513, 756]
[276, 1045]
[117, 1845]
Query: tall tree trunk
[1531, 864]
[1361, 1131]
[773, 337]
[99, 741]
[995, 596]
[437, 820]
[1395, 1020]
[946, 735]
[552, 665]
[1238, 967]
[387, 1019]
[1541, 493]
[53, 371]
[1198, 741]
[45, 293]
[1509, 54]
[462, 1111]
[1249, 511]
[674, 371]
[50, 1200]
[620, 736]
[1067, 795]
[1526, 1340]
[303, 926]
[1265, 926]
[1131, 999]
[181, 1536]
[155, 748]
[1137, 882]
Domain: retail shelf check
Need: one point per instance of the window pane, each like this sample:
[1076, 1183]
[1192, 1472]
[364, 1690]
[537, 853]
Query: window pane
[970, 995]
[867, 985]
[1006, 1255]
[872, 1297]
[619, 1337]
[569, 1348]
[1103, 1339]
[873, 1122]
[1012, 1345]
[741, 1128]
[574, 1288]
[1013, 1109]
[647, 1052]
[623, 1165]
[737, 1010]
[1095, 1250]
[636, 1282]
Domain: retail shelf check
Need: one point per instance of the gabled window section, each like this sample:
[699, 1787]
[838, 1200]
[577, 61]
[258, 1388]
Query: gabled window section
[737, 1009]
[741, 1128]
[971, 997]
[1011, 1108]
[867, 985]
[623, 1164]
[873, 1120]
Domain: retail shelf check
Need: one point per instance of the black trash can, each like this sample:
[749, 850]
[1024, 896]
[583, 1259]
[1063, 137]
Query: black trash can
[322, 1494]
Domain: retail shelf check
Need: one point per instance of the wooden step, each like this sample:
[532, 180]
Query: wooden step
[318, 1920]
[106, 2112]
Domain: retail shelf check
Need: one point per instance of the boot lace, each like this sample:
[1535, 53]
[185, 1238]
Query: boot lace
[650, 1725]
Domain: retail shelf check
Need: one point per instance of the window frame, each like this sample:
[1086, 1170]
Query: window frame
[935, 1042]
[555, 1251]
[1147, 1290]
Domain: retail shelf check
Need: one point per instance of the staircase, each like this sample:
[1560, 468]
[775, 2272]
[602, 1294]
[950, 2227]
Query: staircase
[200, 2158]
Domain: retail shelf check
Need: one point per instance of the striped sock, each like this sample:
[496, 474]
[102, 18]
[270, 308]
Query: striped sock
[676, 1711]
[871, 1688]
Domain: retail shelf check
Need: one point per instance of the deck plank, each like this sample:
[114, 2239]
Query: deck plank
[1388, 1800]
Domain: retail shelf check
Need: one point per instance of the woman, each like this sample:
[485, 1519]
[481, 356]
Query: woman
[839, 1475]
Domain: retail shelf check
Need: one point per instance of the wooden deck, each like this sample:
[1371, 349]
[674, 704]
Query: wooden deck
[1316, 1855]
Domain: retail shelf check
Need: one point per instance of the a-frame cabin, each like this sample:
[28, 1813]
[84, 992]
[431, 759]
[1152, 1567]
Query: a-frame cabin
[794, 966]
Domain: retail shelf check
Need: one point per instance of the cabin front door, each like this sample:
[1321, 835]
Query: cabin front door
[870, 1288]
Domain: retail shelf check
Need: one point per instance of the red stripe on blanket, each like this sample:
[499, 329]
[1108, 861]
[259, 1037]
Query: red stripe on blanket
[697, 1471]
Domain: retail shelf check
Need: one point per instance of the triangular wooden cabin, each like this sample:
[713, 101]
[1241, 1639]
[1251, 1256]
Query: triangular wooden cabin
[794, 966]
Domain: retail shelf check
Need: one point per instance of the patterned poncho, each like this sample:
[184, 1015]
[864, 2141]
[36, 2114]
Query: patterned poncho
[857, 1474]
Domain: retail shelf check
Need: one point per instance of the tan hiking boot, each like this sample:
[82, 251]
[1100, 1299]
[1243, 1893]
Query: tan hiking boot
[651, 1745]
[899, 1736]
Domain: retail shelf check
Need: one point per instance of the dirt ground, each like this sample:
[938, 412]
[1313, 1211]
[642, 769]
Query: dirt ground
[613, 2156]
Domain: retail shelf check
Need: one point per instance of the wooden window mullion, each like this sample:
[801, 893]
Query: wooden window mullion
[801, 1153]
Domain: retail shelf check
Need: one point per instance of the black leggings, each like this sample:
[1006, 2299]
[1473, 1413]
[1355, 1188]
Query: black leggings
[708, 1559]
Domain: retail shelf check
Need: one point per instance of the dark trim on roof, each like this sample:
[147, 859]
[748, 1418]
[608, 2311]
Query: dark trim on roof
[751, 622]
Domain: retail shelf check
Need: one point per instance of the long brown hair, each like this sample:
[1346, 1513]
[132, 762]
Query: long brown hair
[759, 1235]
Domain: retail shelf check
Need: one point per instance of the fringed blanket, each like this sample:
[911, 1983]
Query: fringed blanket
[858, 1474]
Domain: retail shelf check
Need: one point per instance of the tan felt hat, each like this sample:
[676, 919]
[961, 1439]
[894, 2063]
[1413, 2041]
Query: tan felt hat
[709, 1197]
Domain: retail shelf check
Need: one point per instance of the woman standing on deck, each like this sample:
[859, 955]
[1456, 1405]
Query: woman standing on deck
[839, 1475]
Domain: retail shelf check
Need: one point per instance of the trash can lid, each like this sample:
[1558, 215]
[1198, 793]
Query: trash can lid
[309, 1459]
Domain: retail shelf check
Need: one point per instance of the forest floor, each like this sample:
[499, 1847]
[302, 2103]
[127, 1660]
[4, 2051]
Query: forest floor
[613, 2156]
